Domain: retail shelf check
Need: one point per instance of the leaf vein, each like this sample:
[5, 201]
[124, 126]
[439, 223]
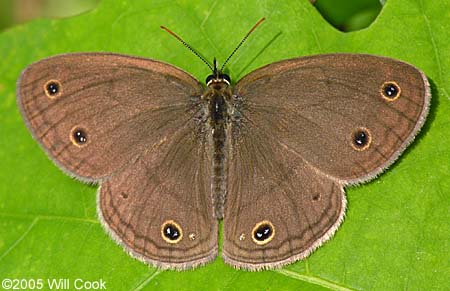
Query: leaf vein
[313, 280]
[47, 217]
[435, 49]
[147, 280]
[17, 242]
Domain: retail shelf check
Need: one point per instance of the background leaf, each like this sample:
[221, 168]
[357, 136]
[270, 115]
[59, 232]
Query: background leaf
[396, 234]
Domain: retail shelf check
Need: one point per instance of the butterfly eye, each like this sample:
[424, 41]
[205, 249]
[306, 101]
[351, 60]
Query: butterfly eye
[52, 89]
[226, 78]
[78, 136]
[209, 79]
[263, 232]
[390, 91]
[171, 232]
[361, 139]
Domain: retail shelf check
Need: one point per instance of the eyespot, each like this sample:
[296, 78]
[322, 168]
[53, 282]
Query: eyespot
[361, 139]
[171, 232]
[263, 232]
[53, 89]
[78, 136]
[390, 91]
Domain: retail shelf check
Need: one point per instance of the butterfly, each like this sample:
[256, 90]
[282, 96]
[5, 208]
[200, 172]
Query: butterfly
[269, 155]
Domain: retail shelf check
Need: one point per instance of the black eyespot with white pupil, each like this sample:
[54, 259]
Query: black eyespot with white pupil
[52, 88]
[80, 136]
[390, 91]
[171, 232]
[263, 232]
[361, 139]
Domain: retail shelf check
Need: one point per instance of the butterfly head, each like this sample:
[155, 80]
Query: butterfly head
[217, 76]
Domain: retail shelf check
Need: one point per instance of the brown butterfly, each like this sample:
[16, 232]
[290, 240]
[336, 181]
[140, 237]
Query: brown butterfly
[270, 155]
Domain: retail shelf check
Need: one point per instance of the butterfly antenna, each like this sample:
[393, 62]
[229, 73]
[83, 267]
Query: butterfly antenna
[242, 41]
[188, 46]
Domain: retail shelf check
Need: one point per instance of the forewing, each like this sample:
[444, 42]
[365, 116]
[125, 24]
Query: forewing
[315, 106]
[122, 105]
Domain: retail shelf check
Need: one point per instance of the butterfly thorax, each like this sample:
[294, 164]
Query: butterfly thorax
[218, 96]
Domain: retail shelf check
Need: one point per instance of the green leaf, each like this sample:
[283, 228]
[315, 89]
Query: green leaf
[349, 15]
[396, 234]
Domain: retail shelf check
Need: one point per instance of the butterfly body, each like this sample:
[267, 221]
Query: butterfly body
[270, 156]
[218, 95]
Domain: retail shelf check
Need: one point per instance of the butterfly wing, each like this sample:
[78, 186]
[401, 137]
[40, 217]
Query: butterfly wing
[278, 207]
[120, 104]
[134, 125]
[308, 127]
[314, 105]
[160, 209]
